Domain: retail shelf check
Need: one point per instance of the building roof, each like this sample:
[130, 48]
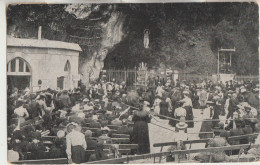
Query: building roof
[43, 43]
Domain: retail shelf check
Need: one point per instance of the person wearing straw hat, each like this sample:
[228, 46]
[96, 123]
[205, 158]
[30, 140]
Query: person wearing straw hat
[65, 99]
[179, 137]
[179, 113]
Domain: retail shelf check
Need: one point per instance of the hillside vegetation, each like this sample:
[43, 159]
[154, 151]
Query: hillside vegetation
[182, 36]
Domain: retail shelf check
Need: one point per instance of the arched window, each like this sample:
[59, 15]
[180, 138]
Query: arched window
[67, 66]
[18, 66]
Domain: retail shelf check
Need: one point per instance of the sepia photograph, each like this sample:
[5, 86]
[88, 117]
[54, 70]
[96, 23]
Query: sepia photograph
[132, 83]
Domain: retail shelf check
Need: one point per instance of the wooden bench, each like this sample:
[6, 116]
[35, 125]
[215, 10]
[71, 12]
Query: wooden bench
[121, 140]
[88, 152]
[241, 137]
[190, 142]
[43, 161]
[120, 136]
[168, 153]
[123, 146]
[48, 139]
[184, 142]
[138, 157]
[116, 127]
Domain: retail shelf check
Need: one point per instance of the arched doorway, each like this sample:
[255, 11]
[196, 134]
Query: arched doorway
[18, 74]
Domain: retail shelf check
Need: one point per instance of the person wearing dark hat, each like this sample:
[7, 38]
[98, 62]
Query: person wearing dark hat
[76, 144]
[217, 141]
[91, 143]
[34, 108]
[164, 106]
[124, 128]
[42, 103]
[233, 102]
[104, 138]
[37, 148]
[65, 99]
[99, 153]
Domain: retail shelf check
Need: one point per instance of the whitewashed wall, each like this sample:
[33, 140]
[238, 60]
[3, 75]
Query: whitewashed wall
[47, 64]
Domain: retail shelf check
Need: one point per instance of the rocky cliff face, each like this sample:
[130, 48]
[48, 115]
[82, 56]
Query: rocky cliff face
[112, 35]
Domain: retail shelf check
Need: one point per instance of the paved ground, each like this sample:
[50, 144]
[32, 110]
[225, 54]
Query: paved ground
[160, 135]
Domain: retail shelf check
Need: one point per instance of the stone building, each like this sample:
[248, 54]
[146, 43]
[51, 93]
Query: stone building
[40, 64]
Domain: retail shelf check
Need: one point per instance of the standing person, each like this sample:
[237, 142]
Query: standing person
[206, 125]
[175, 97]
[20, 111]
[141, 119]
[76, 145]
[179, 113]
[203, 98]
[233, 102]
[65, 99]
[187, 105]
[164, 107]
[159, 90]
[156, 105]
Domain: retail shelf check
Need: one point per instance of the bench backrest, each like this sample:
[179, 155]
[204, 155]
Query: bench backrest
[184, 142]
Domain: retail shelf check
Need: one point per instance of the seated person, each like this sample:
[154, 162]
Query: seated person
[104, 138]
[92, 144]
[116, 122]
[124, 128]
[12, 156]
[179, 138]
[114, 152]
[218, 156]
[99, 154]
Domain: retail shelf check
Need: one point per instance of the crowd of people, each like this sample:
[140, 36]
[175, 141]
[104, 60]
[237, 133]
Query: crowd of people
[63, 114]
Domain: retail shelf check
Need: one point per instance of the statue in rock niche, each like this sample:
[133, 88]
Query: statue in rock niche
[146, 38]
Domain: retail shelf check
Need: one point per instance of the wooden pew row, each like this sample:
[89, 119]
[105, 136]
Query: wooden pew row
[94, 130]
[43, 161]
[116, 127]
[64, 160]
[114, 140]
[138, 157]
[146, 156]
[123, 146]
[241, 137]
[252, 136]
[120, 136]
[184, 142]
[89, 152]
